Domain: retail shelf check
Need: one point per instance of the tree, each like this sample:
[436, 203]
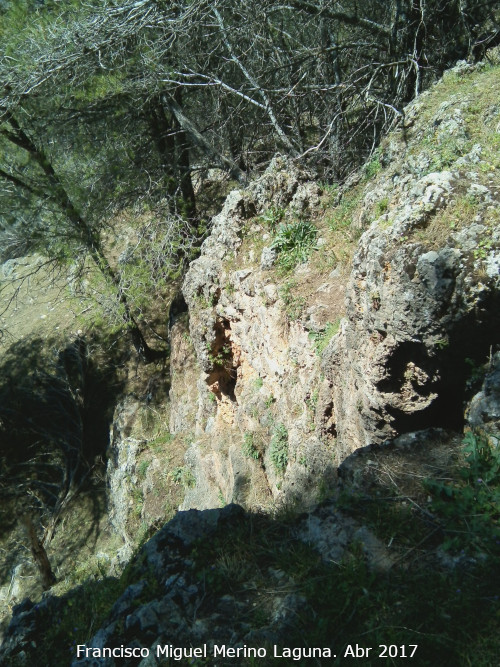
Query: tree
[42, 182]
[117, 101]
[241, 80]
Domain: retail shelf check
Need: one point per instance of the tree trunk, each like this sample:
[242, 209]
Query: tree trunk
[39, 554]
[183, 161]
[200, 140]
[88, 236]
[173, 146]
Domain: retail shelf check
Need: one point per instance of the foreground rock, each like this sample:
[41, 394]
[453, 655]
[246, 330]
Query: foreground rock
[168, 600]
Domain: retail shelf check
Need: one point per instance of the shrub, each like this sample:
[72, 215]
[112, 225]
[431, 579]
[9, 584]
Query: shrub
[249, 448]
[272, 217]
[143, 467]
[294, 243]
[183, 476]
[470, 506]
[279, 448]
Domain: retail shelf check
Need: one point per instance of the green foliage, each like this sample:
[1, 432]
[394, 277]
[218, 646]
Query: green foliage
[269, 401]
[372, 168]
[484, 247]
[312, 401]
[249, 448]
[272, 218]
[182, 475]
[278, 449]
[322, 337]
[342, 215]
[258, 383]
[294, 242]
[158, 443]
[138, 501]
[470, 505]
[221, 357]
[292, 305]
[330, 189]
[143, 467]
[381, 207]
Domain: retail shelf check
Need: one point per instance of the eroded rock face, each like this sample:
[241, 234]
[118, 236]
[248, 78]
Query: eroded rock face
[124, 448]
[175, 608]
[423, 296]
[258, 370]
[167, 600]
[414, 317]
[184, 372]
[122, 453]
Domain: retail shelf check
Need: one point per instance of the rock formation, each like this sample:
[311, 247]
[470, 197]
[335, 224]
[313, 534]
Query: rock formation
[282, 381]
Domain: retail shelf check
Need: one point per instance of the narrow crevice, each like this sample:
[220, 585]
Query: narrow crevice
[223, 376]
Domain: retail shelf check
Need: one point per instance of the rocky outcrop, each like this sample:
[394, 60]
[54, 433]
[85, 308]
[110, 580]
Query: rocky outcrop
[421, 302]
[260, 375]
[424, 292]
[124, 448]
[271, 418]
[483, 412]
[167, 601]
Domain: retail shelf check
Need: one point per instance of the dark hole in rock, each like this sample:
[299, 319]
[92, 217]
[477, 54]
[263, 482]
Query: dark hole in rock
[178, 306]
[328, 425]
[470, 340]
[222, 378]
[405, 353]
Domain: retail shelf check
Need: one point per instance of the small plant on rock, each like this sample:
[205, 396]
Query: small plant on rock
[183, 476]
[322, 337]
[279, 448]
[249, 448]
[272, 217]
[294, 243]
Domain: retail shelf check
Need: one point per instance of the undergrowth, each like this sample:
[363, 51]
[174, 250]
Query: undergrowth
[451, 613]
[278, 449]
[469, 506]
[294, 243]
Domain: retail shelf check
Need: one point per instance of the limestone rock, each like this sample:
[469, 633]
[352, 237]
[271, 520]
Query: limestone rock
[125, 445]
[246, 388]
[483, 412]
